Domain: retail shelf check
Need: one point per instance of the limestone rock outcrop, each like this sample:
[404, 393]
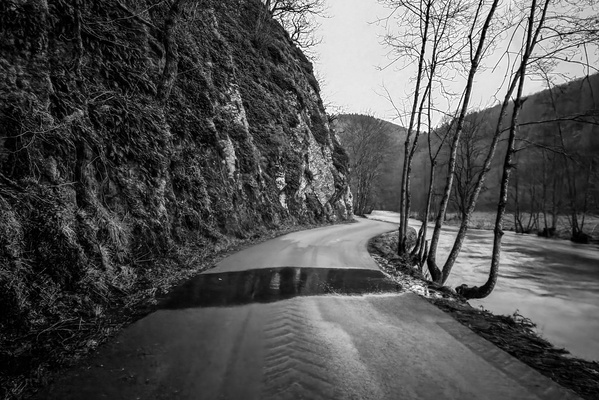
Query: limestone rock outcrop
[134, 132]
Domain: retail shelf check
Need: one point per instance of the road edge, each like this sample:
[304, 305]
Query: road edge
[508, 340]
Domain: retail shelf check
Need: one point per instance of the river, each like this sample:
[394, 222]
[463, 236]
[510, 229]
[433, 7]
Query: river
[553, 282]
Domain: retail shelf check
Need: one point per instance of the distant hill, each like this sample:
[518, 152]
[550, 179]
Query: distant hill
[555, 172]
[541, 149]
[387, 184]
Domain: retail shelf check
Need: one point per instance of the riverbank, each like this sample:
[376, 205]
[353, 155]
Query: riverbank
[513, 334]
[30, 359]
[486, 220]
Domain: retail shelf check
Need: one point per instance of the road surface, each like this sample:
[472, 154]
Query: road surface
[283, 320]
[337, 246]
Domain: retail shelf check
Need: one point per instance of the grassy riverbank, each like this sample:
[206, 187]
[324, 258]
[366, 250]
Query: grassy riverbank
[512, 333]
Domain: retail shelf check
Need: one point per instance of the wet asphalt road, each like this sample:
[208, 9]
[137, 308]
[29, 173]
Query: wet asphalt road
[303, 316]
[337, 246]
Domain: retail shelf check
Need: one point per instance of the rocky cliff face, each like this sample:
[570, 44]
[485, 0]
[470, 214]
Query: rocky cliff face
[134, 132]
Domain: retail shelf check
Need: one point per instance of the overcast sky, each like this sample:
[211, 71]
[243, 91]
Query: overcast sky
[350, 56]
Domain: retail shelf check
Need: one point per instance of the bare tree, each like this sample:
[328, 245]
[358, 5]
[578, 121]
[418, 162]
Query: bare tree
[418, 17]
[469, 163]
[534, 25]
[477, 39]
[577, 175]
[525, 192]
[429, 38]
[435, 137]
[368, 143]
[298, 18]
[515, 81]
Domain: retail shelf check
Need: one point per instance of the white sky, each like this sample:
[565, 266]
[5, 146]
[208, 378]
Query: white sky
[348, 57]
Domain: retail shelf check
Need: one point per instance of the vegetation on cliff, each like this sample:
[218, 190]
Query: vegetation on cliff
[138, 138]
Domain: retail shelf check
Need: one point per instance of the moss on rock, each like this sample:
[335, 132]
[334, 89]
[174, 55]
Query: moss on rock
[105, 189]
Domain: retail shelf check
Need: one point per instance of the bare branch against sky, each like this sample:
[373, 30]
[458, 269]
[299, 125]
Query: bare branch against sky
[351, 58]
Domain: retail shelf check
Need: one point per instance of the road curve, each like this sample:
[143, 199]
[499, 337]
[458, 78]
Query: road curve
[324, 346]
[337, 246]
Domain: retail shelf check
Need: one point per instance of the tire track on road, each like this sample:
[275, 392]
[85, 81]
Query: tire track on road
[296, 359]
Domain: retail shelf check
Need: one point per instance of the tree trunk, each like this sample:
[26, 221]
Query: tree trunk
[431, 259]
[404, 193]
[457, 246]
[420, 250]
[78, 6]
[171, 50]
[544, 195]
[518, 228]
[487, 288]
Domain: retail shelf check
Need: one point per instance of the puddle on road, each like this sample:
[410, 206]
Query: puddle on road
[269, 285]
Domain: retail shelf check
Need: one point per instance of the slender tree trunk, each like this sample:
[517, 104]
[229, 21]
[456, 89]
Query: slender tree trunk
[479, 182]
[517, 219]
[435, 272]
[570, 178]
[421, 249]
[532, 218]
[411, 157]
[544, 195]
[531, 39]
[554, 205]
[403, 197]
[171, 50]
[424, 228]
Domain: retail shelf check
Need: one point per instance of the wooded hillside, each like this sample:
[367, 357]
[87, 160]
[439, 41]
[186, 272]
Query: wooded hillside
[374, 148]
[557, 162]
[557, 157]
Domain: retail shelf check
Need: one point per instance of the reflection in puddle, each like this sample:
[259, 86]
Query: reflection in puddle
[269, 285]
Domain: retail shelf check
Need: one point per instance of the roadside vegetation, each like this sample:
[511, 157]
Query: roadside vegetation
[533, 159]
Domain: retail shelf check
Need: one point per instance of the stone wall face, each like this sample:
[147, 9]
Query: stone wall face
[102, 178]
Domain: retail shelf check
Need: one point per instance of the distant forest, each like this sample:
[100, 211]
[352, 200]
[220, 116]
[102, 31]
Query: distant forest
[556, 165]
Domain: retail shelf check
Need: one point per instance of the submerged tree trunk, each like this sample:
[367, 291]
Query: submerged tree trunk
[420, 250]
[457, 246]
[408, 154]
[531, 39]
[518, 228]
[411, 158]
[436, 274]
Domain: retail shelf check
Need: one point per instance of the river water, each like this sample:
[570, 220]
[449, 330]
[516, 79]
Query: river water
[553, 282]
